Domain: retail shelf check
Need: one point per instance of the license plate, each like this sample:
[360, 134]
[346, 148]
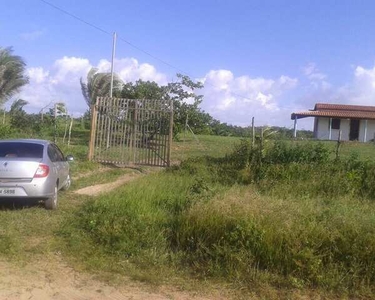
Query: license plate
[7, 191]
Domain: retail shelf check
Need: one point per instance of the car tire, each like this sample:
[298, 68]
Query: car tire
[51, 202]
[67, 184]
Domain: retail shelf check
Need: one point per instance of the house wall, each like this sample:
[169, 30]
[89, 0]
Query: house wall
[321, 130]
[370, 130]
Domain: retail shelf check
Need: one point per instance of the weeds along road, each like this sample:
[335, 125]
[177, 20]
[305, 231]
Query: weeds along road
[32, 265]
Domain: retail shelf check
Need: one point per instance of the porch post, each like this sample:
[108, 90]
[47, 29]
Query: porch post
[365, 133]
[295, 127]
[330, 129]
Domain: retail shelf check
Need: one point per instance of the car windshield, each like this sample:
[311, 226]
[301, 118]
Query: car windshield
[23, 150]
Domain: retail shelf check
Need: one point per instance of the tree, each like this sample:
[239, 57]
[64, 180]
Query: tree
[142, 90]
[18, 117]
[98, 85]
[185, 101]
[182, 93]
[12, 76]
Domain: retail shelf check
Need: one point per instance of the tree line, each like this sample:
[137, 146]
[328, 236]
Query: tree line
[184, 93]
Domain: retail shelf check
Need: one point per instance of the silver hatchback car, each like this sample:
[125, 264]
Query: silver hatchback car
[35, 169]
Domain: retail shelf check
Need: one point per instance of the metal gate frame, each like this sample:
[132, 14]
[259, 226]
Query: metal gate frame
[131, 131]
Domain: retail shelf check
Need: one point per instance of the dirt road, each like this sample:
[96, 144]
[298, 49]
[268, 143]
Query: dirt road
[55, 280]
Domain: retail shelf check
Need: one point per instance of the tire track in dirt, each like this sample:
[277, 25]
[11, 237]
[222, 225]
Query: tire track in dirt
[97, 189]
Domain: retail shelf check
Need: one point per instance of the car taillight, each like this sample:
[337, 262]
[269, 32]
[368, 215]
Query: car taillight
[42, 171]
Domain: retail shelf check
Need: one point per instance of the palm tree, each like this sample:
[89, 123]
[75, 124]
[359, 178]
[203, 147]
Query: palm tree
[98, 85]
[12, 78]
[17, 106]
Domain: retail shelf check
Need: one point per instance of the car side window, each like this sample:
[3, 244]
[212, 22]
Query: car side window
[52, 153]
[60, 155]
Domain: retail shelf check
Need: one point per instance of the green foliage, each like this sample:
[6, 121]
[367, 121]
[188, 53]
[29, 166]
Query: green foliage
[98, 85]
[18, 117]
[307, 222]
[282, 152]
[12, 76]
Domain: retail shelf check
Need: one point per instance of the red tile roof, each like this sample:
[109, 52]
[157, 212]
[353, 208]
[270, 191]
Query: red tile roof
[343, 107]
[338, 111]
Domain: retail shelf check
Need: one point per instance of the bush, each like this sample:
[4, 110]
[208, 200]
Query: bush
[285, 153]
[242, 235]
[306, 222]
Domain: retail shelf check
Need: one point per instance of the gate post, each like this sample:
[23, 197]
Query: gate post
[94, 111]
[170, 138]
[135, 133]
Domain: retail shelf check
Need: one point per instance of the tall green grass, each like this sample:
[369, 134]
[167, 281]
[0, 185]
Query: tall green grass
[305, 222]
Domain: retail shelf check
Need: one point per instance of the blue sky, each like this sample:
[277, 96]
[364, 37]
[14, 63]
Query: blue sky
[257, 58]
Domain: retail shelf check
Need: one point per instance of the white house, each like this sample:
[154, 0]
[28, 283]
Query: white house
[356, 123]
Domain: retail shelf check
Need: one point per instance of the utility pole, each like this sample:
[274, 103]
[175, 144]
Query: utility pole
[111, 87]
[113, 62]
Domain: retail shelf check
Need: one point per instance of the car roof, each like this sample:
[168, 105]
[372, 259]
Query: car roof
[33, 141]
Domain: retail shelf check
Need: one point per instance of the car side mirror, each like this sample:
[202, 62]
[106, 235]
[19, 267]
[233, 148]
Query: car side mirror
[69, 158]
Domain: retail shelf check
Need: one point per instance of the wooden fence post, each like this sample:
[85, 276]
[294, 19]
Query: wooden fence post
[338, 144]
[135, 129]
[94, 112]
[261, 145]
[252, 133]
[70, 130]
[170, 138]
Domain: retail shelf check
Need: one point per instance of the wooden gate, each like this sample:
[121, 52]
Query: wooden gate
[131, 132]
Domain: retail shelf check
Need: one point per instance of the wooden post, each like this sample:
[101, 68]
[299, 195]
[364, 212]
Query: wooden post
[135, 131]
[70, 130]
[170, 138]
[55, 121]
[365, 133]
[109, 114]
[295, 127]
[261, 144]
[338, 144]
[93, 130]
[330, 129]
[252, 133]
[66, 127]
[186, 126]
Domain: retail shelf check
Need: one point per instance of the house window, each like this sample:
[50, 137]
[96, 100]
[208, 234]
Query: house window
[335, 124]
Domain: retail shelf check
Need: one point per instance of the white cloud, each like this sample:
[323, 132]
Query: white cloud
[236, 99]
[360, 90]
[129, 70]
[317, 79]
[37, 75]
[32, 35]
[313, 73]
[60, 82]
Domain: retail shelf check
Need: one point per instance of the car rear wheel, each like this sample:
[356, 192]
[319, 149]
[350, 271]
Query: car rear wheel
[51, 203]
[67, 184]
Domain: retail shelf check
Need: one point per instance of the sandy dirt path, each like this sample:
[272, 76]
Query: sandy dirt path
[97, 189]
[57, 281]
[94, 190]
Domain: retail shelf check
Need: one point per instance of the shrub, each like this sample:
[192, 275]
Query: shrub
[282, 153]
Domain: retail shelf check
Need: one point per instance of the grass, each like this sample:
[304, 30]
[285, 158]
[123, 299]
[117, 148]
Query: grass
[302, 228]
[365, 151]
[202, 145]
[208, 226]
